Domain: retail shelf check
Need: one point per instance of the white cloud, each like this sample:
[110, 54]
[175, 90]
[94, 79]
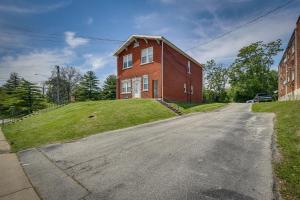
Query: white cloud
[152, 24]
[22, 9]
[90, 20]
[74, 41]
[36, 62]
[227, 47]
[95, 62]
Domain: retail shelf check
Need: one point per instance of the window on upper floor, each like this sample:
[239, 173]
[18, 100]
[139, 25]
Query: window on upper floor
[147, 55]
[127, 61]
[145, 83]
[126, 86]
[293, 48]
[189, 66]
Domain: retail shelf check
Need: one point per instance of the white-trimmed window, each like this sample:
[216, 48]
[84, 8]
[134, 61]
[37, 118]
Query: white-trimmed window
[293, 48]
[127, 61]
[192, 89]
[126, 86]
[147, 55]
[145, 83]
[189, 66]
[184, 87]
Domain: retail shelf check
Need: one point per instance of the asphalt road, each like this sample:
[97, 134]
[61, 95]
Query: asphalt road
[224, 154]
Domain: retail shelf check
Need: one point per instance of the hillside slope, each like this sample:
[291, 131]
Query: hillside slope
[77, 120]
[287, 127]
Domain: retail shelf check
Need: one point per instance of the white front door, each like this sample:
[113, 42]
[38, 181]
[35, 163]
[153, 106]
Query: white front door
[136, 87]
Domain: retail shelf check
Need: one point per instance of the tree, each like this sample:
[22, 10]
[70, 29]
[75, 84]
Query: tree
[63, 83]
[72, 78]
[109, 87]
[216, 77]
[12, 83]
[251, 71]
[7, 101]
[30, 97]
[88, 87]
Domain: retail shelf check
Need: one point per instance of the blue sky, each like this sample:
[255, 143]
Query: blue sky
[35, 35]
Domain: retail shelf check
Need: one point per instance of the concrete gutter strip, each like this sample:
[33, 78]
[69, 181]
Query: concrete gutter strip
[14, 184]
[50, 181]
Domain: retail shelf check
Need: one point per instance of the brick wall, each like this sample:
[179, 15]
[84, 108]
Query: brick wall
[290, 66]
[176, 75]
[153, 70]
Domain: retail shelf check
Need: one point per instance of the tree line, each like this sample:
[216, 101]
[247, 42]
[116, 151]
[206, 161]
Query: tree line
[66, 84]
[248, 75]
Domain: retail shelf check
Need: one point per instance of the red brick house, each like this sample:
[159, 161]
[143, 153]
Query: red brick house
[153, 67]
[289, 68]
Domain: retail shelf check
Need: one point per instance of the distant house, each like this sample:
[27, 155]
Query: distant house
[153, 67]
[289, 68]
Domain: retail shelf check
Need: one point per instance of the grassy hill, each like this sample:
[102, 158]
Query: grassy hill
[77, 120]
[191, 107]
[287, 127]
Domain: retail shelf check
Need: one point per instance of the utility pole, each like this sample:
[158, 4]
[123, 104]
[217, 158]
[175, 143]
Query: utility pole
[57, 88]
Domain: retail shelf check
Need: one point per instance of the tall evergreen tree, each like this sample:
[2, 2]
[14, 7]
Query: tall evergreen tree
[12, 83]
[109, 88]
[88, 87]
[30, 97]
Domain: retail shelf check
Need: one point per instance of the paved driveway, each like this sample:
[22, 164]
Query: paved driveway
[224, 154]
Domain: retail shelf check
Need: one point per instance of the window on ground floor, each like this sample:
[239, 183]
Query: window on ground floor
[145, 83]
[184, 87]
[126, 86]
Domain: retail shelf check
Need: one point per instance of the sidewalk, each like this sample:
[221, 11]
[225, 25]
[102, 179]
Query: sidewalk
[14, 184]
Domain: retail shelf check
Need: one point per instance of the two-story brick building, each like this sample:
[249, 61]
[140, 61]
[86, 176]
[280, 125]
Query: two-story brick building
[289, 68]
[153, 67]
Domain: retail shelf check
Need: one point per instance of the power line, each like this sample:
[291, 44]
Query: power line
[242, 25]
[32, 33]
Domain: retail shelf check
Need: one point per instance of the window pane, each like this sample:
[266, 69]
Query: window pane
[124, 62]
[150, 51]
[150, 58]
[129, 60]
[145, 82]
[123, 86]
[144, 52]
[144, 60]
[129, 63]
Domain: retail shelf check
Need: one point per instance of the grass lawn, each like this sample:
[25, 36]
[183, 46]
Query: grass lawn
[77, 120]
[189, 108]
[288, 138]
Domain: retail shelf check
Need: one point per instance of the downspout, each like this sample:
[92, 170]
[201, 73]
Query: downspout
[162, 69]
